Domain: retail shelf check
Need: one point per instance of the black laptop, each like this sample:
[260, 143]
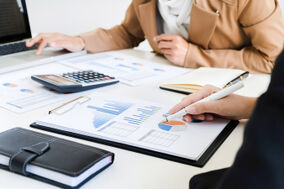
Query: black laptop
[14, 31]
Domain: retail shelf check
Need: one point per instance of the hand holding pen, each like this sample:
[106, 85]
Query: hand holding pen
[232, 106]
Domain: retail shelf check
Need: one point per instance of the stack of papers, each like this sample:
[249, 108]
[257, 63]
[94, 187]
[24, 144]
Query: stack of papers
[128, 69]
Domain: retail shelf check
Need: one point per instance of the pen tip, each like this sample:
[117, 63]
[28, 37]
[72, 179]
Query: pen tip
[163, 120]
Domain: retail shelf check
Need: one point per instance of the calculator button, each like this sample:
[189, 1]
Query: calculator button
[87, 77]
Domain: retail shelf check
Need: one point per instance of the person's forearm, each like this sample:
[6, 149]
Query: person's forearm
[248, 59]
[126, 35]
[81, 42]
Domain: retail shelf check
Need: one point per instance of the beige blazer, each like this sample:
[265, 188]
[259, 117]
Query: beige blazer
[242, 34]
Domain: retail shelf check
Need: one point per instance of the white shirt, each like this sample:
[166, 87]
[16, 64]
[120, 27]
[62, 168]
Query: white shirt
[176, 16]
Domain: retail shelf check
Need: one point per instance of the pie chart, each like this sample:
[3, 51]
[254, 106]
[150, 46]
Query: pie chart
[9, 85]
[27, 91]
[172, 126]
[159, 70]
[137, 64]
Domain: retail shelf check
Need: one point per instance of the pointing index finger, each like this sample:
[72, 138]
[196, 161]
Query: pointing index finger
[188, 100]
[35, 40]
[164, 37]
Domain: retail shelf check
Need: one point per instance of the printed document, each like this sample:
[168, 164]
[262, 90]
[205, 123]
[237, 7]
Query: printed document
[18, 93]
[136, 123]
[128, 69]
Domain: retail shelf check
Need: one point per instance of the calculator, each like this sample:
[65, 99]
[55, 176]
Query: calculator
[75, 81]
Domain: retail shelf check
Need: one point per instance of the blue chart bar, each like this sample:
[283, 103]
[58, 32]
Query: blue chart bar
[101, 118]
[127, 67]
[107, 112]
[143, 114]
[111, 107]
[107, 67]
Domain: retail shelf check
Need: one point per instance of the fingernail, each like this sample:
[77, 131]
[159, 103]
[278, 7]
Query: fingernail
[201, 117]
[191, 110]
[211, 118]
[53, 44]
[166, 114]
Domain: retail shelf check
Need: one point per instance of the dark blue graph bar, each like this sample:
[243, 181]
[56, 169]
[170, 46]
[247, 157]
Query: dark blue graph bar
[144, 113]
[107, 111]
[111, 107]
[128, 67]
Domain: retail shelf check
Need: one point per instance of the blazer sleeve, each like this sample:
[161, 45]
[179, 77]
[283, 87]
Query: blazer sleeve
[263, 24]
[126, 35]
[259, 162]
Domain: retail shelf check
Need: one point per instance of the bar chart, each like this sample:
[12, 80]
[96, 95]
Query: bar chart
[122, 119]
[141, 114]
[107, 111]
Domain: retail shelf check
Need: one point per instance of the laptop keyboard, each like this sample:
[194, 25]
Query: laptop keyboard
[15, 48]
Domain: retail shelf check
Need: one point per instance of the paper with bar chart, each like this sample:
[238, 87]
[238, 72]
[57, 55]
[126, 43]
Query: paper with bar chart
[136, 123]
[128, 69]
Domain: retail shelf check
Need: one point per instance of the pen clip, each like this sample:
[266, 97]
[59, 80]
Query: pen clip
[241, 77]
[62, 109]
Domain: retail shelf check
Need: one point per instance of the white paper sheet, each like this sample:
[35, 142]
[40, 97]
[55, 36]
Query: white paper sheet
[18, 93]
[128, 69]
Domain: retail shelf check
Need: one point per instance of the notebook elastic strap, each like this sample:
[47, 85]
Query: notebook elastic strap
[19, 161]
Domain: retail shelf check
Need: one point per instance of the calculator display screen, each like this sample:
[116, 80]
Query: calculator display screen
[57, 80]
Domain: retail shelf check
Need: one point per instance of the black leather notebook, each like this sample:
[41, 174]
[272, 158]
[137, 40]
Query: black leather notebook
[49, 159]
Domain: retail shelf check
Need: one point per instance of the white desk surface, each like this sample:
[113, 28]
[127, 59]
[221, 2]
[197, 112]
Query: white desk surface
[134, 170]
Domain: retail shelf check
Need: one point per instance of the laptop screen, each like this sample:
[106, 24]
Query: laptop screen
[14, 23]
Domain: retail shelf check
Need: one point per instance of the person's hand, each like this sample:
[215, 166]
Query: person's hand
[56, 40]
[233, 106]
[173, 47]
